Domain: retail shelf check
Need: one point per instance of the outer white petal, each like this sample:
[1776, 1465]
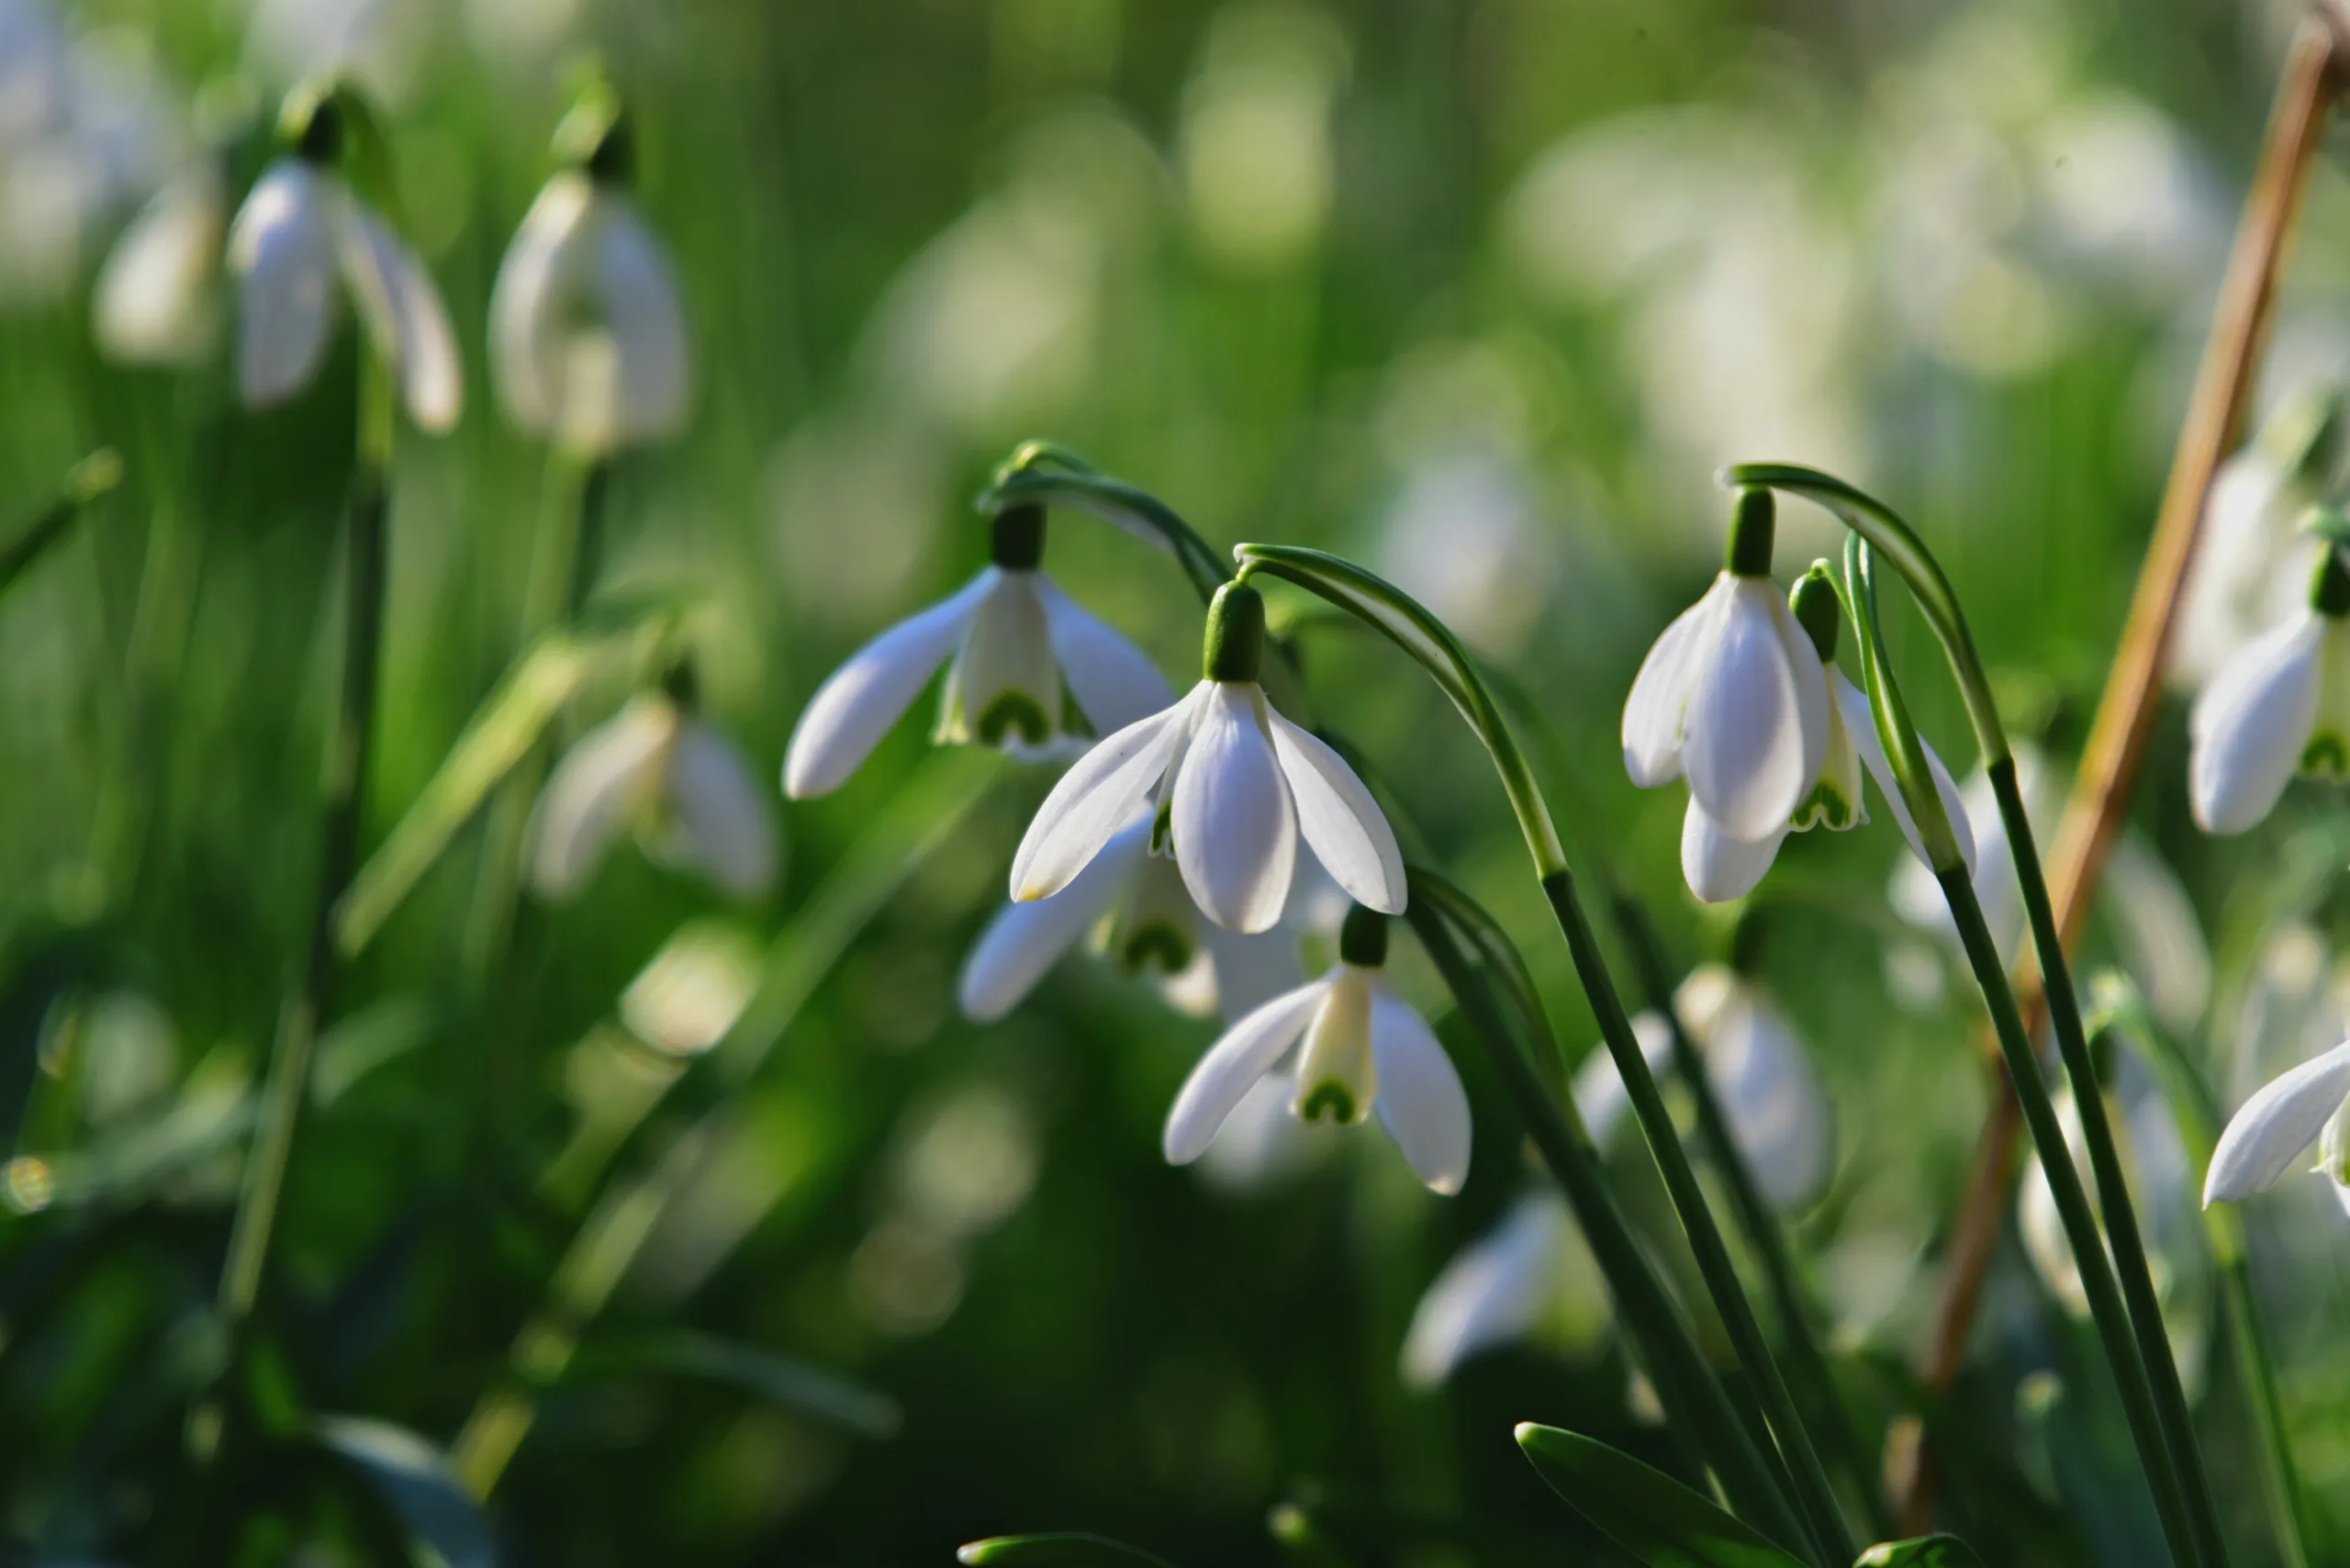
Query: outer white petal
[719, 814]
[1744, 742]
[1249, 970]
[1598, 1089]
[598, 786]
[153, 301]
[1660, 694]
[860, 701]
[1421, 1102]
[2154, 922]
[1493, 1292]
[2263, 1139]
[1720, 868]
[1247, 1052]
[640, 310]
[1861, 724]
[1235, 832]
[282, 248]
[404, 314]
[1097, 797]
[1342, 824]
[1114, 681]
[1025, 940]
[2249, 725]
[530, 303]
[1778, 1111]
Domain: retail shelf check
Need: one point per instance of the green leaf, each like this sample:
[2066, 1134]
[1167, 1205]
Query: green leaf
[795, 1385]
[1926, 1552]
[1644, 1511]
[444, 1524]
[504, 729]
[1058, 1550]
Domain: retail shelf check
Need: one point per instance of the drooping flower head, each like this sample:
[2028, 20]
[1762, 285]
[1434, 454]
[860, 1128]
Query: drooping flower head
[1235, 786]
[1352, 1047]
[658, 769]
[1015, 646]
[303, 239]
[156, 300]
[2279, 706]
[588, 343]
[2261, 1141]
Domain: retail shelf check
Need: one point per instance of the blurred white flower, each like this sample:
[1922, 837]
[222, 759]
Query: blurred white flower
[1256, 158]
[586, 338]
[1015, 641]
[1778, 1112]
[1236, 785]
[1460, 535]
[2263, 1139]
[1529, 1274]
[380, 43]
[658, 769]
[1363, 1048]
[157, 297]
[299, 232]
[2279, 706]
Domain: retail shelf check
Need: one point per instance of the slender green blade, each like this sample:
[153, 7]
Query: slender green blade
[795, 1385]
[1645, 1511]
[1926, 1552]
[1057, 1549]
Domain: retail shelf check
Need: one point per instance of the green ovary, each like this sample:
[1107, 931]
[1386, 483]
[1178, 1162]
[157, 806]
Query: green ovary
[2327, 755]
[1329, 1098]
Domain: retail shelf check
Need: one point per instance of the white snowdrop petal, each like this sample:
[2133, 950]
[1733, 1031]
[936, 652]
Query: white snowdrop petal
[1262, 1142]
[2251, 723]
[2154, 922]
[282, 248]
[1024, 940]
[1744, 748]
[1114, 681]
[719, 812]
[1421, 1102]
[1778, 1113]
[402, 308]
[2264, 1138]
[1492, 1293]
[1342, 824]
[1660, 694]
[1720, 868]
[1247, 1052]
[1861, 724]
[643, 312]
[1236, 831]
[860, 701]
[598, 785]
[152, 302]
[1096, 798]
[529, 304]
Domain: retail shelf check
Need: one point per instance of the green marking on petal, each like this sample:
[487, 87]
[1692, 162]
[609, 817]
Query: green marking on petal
[1329, 1096]
[1014, 711]
[1156, 943]
[2327, 754]
[1827, 804]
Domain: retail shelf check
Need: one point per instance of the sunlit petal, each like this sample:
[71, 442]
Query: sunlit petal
[1249, 1050]
[530, 302]
[1421, 1102]
[1235, 832]
[1024, 940]
[2249, 725]
[1114, 681]
[1720, 868]
[1660, 695]
[1342, 824]
[2264, 1138]
[1744, 747]
[282, 248]
[402, 308]
[1097, 797]
[860, 701]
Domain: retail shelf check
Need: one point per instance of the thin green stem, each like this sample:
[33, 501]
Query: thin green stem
[2111, 1317]
[2199, 1121]
[1653, 1321]
[1039, 473]
[92, 478]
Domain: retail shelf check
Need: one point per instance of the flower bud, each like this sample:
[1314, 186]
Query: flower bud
[1235, 646]
[1817, 610]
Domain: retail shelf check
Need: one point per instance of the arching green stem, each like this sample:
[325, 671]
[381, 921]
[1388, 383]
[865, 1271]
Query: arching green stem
[1039, 473]
[1906, 752]
[1431, 643]
[1698, 1407]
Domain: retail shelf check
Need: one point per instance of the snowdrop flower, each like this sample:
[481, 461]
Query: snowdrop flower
[1778, 1112]
[1363, 1048]
[656, 768]
[1732, 697]
[300, 230]
[1236, 786]
[1529, 1274]
[2250, 560]
[2264, 1138]
[2279, 706]
[155, 301]
[586, 338]
[1014, 641]
[1721, 866]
